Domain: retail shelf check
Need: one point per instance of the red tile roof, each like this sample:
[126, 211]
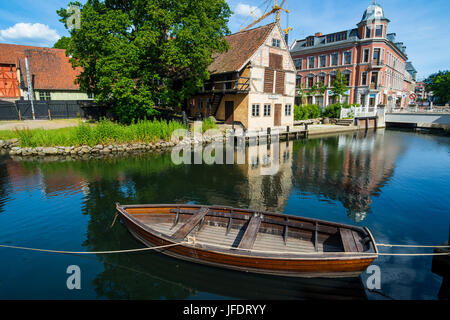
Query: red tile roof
[50, 67]
[242, 46]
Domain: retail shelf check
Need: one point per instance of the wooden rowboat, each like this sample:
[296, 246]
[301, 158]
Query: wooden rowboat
[252, 241]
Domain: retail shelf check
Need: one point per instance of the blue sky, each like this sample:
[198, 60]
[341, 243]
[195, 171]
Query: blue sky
[423, 25]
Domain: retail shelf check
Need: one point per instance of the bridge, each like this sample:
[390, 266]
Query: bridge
[437, 117]
[431, 117]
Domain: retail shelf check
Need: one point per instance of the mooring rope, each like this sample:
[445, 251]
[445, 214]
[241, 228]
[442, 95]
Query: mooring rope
[193, 241]
[94, 252]
[408, 246]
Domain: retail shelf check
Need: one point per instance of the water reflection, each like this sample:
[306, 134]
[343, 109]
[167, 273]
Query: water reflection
[350, 168]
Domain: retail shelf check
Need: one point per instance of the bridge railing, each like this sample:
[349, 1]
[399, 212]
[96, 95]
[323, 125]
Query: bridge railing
[417, 109]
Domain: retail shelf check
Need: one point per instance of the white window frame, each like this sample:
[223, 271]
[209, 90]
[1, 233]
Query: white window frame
[287, 110]
[331, 59]
[267, 110]
[255, 110]
[351, 57]
[314, 62]
[366, 49]
[325, 64]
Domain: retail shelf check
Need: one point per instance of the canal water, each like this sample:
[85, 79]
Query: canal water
[396, 183]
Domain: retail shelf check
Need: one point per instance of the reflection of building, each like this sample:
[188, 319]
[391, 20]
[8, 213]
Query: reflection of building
[21, 177]
[347, 168]
[269, 182]
[370, 58]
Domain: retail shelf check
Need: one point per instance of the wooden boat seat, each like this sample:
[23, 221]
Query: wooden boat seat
[190, 224]
[251, 232]
[348, 241]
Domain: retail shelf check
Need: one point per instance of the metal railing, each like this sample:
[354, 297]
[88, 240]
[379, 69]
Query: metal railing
[358, 112]
[418, 109]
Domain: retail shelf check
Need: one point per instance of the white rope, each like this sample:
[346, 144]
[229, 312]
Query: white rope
[93, 252]
[192, 240]
[322, 253]
[409, 246]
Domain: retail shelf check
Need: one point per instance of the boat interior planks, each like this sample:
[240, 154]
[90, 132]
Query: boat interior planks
[253, 241]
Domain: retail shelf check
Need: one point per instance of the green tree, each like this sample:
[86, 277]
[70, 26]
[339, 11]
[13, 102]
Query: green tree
[136, 53]
[439, 84]
[62, 43]
[339, 85]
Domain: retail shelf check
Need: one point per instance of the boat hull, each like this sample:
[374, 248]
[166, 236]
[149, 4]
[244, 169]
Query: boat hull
[307, 266]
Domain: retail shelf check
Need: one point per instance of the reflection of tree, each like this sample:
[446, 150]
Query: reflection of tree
[349, 168]
[141, 179]
[3, 184]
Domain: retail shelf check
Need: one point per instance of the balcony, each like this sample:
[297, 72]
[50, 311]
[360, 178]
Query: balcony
[376, 64]
[240, 85]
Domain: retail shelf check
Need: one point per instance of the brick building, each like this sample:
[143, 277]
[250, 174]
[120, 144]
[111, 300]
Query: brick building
[252, 84]
[52, 75]
[370, 58]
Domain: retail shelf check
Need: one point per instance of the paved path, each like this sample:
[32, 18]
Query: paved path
[35, 124]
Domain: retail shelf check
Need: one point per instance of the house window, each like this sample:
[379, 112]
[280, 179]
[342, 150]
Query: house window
[332, 78]
[366, 55]
[321, 80]
[310, 82]
[298, 64]
[364, 79]
[275, 43]
[376, 54]
[287, 110]
[348, 57]
[368, 32]
[347, 78]
[334, 59]
[267, 110]
[298, 81]
[44, 95]
[323, 61]
[311, 61]
[255, 110]
[379, 31]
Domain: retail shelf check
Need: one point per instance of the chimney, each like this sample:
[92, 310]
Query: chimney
[318, 34]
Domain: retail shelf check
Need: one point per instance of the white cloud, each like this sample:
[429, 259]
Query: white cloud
[243, 9]
[31, 34]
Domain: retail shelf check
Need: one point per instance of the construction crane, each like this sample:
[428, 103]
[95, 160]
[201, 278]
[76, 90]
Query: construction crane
[275, 9]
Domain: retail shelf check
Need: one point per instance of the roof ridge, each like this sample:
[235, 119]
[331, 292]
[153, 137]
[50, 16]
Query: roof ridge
[264, 26]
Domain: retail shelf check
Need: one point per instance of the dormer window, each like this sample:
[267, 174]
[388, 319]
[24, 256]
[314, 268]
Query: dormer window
[276, 43]
[379, 31]
[368, 32]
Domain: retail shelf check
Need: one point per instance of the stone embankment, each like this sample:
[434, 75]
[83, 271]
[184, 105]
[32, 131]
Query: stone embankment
[12, 147]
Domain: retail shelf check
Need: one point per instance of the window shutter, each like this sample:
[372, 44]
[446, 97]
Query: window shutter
[268, 80]
[276, 61]
[279, 85]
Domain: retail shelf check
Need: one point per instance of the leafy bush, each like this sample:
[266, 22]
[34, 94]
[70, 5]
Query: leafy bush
[333, 110]
[308, 111]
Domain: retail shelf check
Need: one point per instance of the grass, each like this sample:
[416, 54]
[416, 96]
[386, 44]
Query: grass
[208, 123]
[103, 132]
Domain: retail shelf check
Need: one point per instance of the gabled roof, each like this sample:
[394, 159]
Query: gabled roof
[50, 68]
[242, 46]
